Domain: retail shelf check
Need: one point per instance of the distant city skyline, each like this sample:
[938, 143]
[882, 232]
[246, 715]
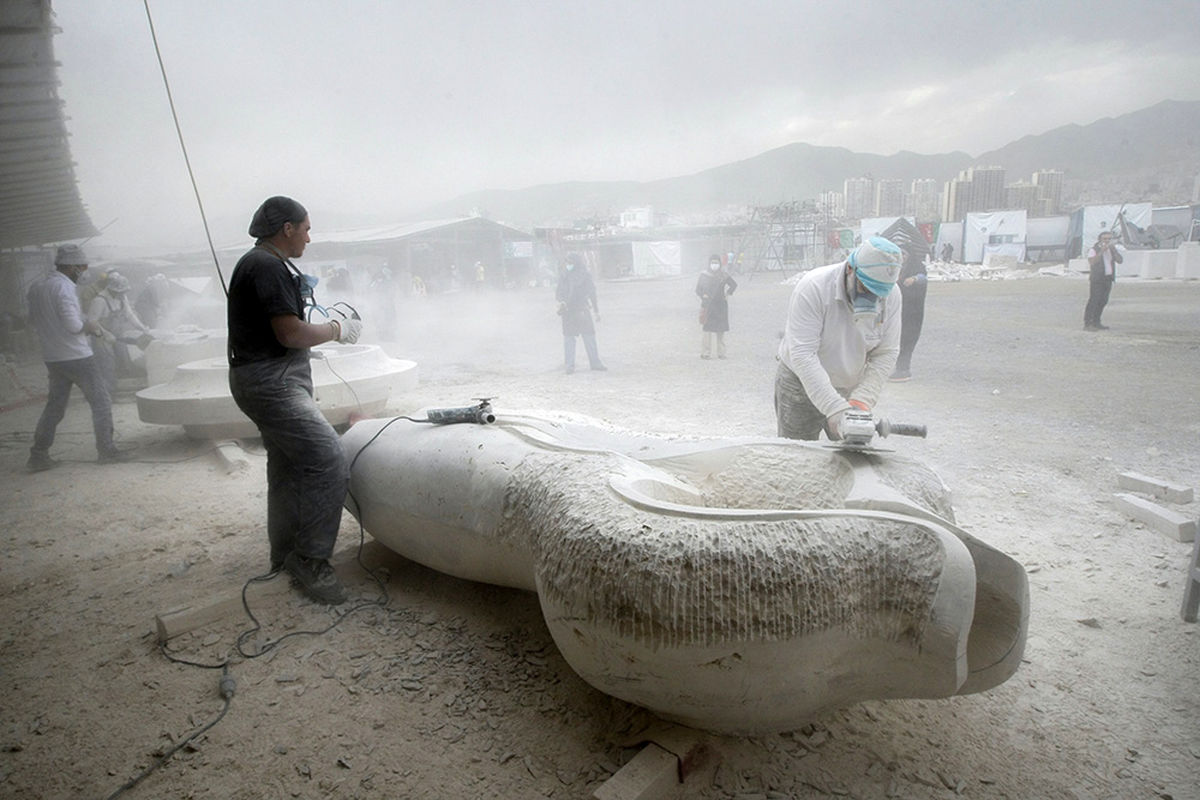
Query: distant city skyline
[368, 111]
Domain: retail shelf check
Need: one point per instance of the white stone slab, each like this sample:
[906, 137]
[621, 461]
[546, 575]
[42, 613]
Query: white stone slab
[1163, 520]
[357, 379]
[1171, 492]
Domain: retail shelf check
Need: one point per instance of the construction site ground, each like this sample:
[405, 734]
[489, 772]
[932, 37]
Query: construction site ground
[456, 690]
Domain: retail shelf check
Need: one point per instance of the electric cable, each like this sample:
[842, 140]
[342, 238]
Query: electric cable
[227, 687]
[227, 683]
[179, 132]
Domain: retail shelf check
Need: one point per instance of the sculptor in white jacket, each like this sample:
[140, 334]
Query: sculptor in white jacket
[841, 341]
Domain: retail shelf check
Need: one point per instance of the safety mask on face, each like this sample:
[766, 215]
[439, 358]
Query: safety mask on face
[866, 310]
[714, 266]
[570, 267]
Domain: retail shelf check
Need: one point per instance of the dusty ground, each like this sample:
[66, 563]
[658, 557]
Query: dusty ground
[455, 690]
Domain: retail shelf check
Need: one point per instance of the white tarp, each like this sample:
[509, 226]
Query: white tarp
[656, 259]
[1090, 220]
[1046, 238]
[994, 232]
[949, 233]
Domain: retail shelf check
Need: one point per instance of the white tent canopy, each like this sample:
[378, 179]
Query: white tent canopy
[996, 233]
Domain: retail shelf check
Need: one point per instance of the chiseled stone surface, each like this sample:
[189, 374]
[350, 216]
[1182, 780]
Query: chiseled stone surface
[740, 586]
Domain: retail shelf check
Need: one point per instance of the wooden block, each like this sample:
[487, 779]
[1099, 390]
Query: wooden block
[653, 774]
[232, 456]
[201, 612]
[1163, 520]
[1171, 492]
[170, 624]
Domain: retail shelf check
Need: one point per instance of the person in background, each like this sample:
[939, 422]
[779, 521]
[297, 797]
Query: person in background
[151, 303]
[576, 294]
[63, 331]
[112, 311]
[840, 343]
[271, 381]
[913, 284]
[713, 287]
[1102, 273]
[382, 290]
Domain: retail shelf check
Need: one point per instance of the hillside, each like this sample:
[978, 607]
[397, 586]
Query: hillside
[1149, 155]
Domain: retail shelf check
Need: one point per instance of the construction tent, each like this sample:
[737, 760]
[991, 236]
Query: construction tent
[657, 259]
[949, 233]
[1089, 221]
[993, 233]
[1046, 238]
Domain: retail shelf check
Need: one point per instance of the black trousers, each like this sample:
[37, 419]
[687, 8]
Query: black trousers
[1097, 300]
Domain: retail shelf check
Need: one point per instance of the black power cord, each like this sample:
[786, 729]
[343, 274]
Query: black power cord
[227, 685]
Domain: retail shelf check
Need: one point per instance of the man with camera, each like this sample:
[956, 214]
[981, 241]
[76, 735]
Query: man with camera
[1102, 266]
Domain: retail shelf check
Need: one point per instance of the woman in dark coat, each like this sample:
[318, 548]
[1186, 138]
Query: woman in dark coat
[913, 284]
[713, 288]
[576, 295]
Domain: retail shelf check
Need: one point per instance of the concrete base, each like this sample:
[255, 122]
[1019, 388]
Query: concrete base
[1187, 264]
[170, 349]
[1142, 264]
[348, 380]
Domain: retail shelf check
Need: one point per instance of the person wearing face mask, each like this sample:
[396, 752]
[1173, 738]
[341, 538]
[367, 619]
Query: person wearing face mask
[271, 381]
[713, 288]
[63, 330]
[840, 343]
[576, 294]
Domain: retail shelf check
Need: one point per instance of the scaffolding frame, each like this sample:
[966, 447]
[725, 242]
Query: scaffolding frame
[786, 237]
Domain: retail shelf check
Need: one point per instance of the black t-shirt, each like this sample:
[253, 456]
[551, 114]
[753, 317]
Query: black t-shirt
[262, 287]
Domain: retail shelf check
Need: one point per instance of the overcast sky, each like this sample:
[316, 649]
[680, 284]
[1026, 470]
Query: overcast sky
[376, 108]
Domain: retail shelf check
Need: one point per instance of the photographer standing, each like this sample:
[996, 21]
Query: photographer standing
[1102, 266]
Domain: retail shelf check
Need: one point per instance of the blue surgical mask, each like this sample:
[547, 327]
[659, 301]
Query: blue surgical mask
[307, 284]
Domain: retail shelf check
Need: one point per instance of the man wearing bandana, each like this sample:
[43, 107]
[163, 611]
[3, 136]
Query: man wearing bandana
[271, 381]
[840, 343]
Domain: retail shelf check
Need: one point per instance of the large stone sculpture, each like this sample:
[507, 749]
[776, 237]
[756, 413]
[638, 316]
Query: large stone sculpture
[739, 586]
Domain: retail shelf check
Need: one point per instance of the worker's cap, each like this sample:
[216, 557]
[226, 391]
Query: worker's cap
[70, 255]
[876, 264]
[117, 283]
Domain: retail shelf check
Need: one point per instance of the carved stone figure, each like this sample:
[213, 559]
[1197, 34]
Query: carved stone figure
[739, 586]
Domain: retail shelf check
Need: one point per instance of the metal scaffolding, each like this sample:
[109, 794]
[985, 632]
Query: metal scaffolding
[787, 237]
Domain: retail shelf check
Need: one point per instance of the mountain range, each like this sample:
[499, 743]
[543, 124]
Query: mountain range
[1148, 155]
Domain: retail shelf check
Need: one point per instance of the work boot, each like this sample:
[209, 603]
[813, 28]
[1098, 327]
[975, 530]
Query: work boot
[316, 578]
[40, 462]
[114, 456]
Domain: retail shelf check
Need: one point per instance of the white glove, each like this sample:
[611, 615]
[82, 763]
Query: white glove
[348, 330]
[833, 426]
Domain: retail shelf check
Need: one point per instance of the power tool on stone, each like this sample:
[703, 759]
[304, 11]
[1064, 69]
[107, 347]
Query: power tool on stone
[860, 427]
[481, 414]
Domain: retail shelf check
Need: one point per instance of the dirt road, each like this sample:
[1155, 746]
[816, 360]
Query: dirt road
[455, 690]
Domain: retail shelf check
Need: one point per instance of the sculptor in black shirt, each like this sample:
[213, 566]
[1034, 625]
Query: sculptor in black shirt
[271, 381]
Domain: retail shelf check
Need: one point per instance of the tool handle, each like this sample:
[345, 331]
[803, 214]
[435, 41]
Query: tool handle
[481, 414]
[903, 429]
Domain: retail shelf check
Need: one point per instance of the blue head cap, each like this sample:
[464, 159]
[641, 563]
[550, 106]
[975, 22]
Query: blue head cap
[876, 264]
